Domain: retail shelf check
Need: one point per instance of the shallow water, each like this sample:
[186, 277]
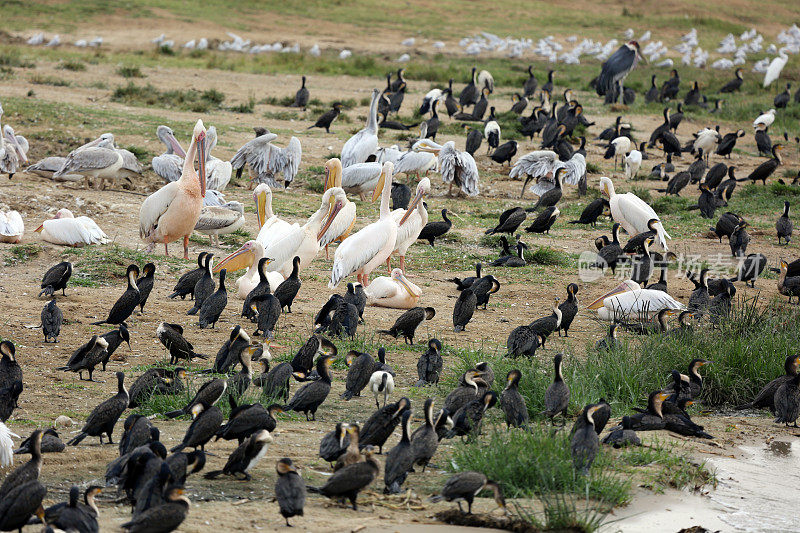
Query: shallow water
[759, 490]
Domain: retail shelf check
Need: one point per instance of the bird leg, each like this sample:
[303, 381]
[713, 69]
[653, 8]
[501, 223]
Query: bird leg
[402, 264]
[389, 265]
[327, 257]
[185, 247]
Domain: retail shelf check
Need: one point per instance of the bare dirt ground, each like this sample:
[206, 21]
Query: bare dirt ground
[246, 506]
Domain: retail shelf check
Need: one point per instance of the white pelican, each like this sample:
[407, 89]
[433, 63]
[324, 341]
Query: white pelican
[11, 227]
[248, 257]
[220, 220]
[271, 228]
[364, 251]
[775, 67]
[541, 165]
[361, 178]
[172, 211]
[633, 213]
[169, 164]
[364, 143]
[765, 119]
[395, 292]
[100, 161]
[392, 153]
[218, 172]
[632, 163]
[343, 224]
[11, 152]
[19, 142]
[410, 223]
[417, 163]
[266, 160]
[303, 241]
[457, 168]
[66, 230]
[628, 299]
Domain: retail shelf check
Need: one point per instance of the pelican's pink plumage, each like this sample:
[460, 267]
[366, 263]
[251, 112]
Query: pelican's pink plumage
[173, 211]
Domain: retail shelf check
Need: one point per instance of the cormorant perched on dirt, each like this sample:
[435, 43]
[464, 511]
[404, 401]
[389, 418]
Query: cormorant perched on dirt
[407, 323]
[290, 491]
[765, 169]
[728, 142]
[465, 486]
[204, 287]
[51, 320]
[622, 435]
[22, 501]
[145, 284]
[399, 460]
[56, 278]
[171, 336]
[212, 307]
[425, 441]
[87, 357]
[51, 443]
[435, 229]
[26, 472]
[186, 283]
[125, 305]
[463, 309]
[287, 291]
[467, 282]
[165, 517]
[382, 423]
[334, 443]
[115, 338]
[327, 118]
[569, 308]
[766, 396]
[467, 420]
[738, 240]
[483, 288]
[274, 382]
[245, 457]
[104, 417]
[505, 152]
[350, 480]
[592, 212]
[544, 221]
[206, 423]
[510, 221]
[358, 373]
[73, 515]
[430, 363]
[309, 397]
[301, 96]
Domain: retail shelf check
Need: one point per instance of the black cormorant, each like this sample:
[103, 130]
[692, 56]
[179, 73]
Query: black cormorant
[465, 486]
[290, 491]
[104, 417]
[56, 278]
[127, 303]
[556, 397]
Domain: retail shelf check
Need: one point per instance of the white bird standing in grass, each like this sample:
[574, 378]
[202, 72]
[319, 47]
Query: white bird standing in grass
[765, 119]
[381, 383]
[775, 67]
[364, 143]
[457, 168]
[633, 213]
[618, 149]
[364, 251]
[632, 163]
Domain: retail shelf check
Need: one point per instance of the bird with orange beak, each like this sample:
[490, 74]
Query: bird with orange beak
[173, 211]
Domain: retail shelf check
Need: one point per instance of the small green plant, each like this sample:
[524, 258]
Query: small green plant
[39, 79]
[245, 107]
[72, 65]
[22, 253]
[130, 71]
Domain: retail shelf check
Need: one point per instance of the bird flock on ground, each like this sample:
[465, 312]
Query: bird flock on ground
[152, 479]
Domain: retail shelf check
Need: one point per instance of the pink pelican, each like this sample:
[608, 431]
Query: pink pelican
[173, 211]
[362, 252]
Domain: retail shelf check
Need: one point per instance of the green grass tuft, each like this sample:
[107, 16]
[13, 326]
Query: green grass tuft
[22, 253]
[130, 71]
[73, 65]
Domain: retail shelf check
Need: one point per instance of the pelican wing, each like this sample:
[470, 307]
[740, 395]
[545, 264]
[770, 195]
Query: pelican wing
[129, 161]
[273, 230]
[212, 218]
[382, 287]
[168, 166]
[154, 206]
[461, 168]
[534, 164]
[11, 224]
[412, 162]
[575, 169]
[255, 154]
[356, 251]
[214, 198]
[218, 174]
[87, 159]
[361, 176]
[635, 213]
[47, 165]
[358, 148]
[390, 154]
[287, 160]
[284, 249]
[96, 235]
